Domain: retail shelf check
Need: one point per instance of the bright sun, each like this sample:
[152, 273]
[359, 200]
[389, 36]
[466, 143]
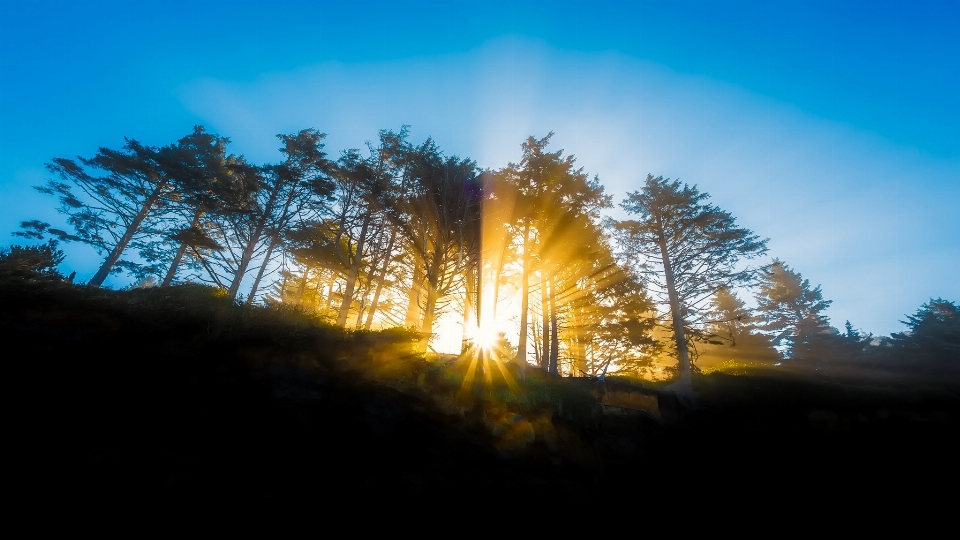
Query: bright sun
[486, 337]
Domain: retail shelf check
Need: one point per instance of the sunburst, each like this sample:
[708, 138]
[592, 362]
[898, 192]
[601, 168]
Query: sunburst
[486, 353]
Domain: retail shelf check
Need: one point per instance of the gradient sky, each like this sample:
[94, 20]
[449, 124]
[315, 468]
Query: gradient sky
[833, 128]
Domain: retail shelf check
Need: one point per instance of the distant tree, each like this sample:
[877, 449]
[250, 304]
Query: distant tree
[733, 332]
[853, 344]
[31, 261]
[793, 312]
[315, 257]
[684, 250]
[730, 318]
[933, 335]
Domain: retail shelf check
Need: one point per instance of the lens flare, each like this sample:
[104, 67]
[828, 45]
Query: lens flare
[487, 337]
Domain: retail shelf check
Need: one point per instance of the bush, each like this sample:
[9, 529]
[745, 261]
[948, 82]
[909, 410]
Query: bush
[31, 261]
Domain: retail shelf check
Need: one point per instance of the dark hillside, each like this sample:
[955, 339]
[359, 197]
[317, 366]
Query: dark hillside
[175, 394]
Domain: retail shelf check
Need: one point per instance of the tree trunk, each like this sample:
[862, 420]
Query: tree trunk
[203, 261]
[330, 283]
[416, 290]
[175, 264]
[117, 251]
[252, 242]
[497, 272]
[524, 297]
[537, 342]
[352, 275]
[383, 277]
[242, 265]
[683, 357]
[545, 313]
[284, 279]
[303, 286]
[433, 284]
[578, 343]
[554, 340]
[428, 315]
[468, 303]
[363, 301]
[263, 267]
[480, 373]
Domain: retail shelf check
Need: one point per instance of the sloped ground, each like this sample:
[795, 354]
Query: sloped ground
[176, 396]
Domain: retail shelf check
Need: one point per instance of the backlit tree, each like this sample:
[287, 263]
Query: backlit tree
[684, 250]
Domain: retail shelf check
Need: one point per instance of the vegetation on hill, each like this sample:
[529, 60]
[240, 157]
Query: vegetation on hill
[178, 393]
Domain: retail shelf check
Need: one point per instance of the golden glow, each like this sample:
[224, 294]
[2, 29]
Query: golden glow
[486, 337]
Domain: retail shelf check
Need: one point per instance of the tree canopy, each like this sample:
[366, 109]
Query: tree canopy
[401, 234]
[933, 333]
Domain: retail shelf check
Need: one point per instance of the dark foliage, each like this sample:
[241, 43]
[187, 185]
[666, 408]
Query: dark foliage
[933, 336]
[31, 262]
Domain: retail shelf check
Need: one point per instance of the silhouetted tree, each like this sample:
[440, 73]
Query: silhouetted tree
[933, 335]
[318, 266]
[853, 344]
[108, 211]
[284, 190]
[685, 250]
[204, 182]
[429, 216]
[793, 312]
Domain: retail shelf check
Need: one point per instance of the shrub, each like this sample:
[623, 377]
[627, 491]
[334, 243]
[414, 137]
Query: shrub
[31, 261]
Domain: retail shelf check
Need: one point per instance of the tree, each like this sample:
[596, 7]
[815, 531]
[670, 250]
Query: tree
[793, 312]
[203, 182]
[310, 247]
[934, 332]
[282, 192]
[684, 250]
[547, 192]
[431, 217]
[852, 344]
[730, 318]
[599, 306]
[618, 329]
[353, 226]
[109, 211]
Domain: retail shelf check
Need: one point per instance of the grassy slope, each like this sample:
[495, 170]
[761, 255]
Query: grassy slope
[176, 395]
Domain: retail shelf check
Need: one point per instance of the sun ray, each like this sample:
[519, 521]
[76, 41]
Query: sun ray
[467, 385]
[511, 383]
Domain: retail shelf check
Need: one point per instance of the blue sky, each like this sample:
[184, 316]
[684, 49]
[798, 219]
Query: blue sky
[832, 128]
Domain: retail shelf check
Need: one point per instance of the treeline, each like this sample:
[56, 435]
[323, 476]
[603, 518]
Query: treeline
[398, 234]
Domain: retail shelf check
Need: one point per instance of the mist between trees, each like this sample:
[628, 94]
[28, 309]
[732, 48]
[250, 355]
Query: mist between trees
[399, 234]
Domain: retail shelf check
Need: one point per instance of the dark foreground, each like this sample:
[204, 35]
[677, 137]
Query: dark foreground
[173, 396]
